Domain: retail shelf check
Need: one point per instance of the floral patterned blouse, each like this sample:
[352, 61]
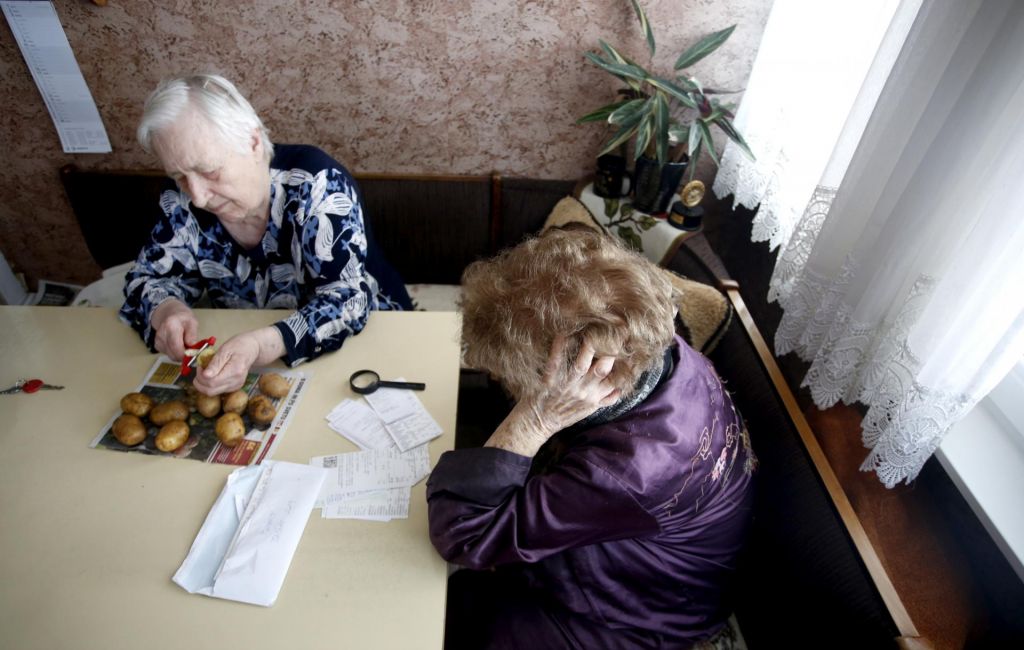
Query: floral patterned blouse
[317, 258]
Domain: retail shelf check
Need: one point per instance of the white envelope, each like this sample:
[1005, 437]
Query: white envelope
[246, 544]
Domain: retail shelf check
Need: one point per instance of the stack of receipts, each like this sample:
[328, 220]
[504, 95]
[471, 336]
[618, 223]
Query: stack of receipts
[392, 428]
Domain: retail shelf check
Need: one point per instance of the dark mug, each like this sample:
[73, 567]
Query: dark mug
[611, 172]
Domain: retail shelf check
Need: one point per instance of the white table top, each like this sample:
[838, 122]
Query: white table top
[89, 538]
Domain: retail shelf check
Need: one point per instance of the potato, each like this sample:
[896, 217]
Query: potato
[205, 356]
[234, 402]
[230, 429]
[172, 435]
[208, 405]
[274, 385]
[161, 414]
[129, 430]
[136, 404]
[261, 409]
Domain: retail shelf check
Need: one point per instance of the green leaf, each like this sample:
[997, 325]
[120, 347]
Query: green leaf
[626, 111]
[647, 222]
[695, 136]
[628, 210]
[631, 238]
[703, 47]
[643, 134]
[601, 114]
[672, 89]
[721, 91]
[622, 135]
[727, 127]
[679, 133]
[708, 142]
[611, 206]
[694, 156]
[615, 56]
[661, 127]
[645, 25]
[624, 71]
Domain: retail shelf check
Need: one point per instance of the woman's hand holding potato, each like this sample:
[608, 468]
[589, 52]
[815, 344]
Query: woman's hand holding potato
[229, 367]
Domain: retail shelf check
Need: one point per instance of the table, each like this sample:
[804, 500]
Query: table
[652, 236]
[90, 538]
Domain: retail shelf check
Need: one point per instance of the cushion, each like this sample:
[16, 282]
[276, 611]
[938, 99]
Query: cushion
[434, 297]
[704, 312]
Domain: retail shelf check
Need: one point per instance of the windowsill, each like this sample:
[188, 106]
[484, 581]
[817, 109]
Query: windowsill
[985, 459]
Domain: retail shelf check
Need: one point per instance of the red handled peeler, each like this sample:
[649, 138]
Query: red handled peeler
[188, 362]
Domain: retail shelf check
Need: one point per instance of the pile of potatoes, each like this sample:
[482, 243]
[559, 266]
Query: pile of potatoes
[171, 417]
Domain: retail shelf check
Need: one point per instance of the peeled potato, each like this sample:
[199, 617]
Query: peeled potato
[161, 414]
[230, 429]
[261, 409]
[129, 430]
[208, 405]
[172, 435]
[136, 404]
[234, 402]
[274, 385]
[205, 356]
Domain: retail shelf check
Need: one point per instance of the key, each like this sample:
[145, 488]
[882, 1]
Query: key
[33, 385]
[29, 386]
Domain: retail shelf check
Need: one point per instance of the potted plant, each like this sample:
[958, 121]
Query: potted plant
[670, 116]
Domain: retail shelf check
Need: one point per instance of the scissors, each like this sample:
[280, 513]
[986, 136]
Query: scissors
[188, 362]
[365, 382]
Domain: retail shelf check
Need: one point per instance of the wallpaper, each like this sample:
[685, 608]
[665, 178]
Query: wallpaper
[399, 86]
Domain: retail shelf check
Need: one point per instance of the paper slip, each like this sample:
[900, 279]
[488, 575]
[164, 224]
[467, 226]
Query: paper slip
[360, 424]
[414, 430]
[355, 473]
[394, 403]
[383, 505]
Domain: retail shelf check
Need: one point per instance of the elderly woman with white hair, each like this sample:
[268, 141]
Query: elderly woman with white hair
[251, 225]
[609, 507]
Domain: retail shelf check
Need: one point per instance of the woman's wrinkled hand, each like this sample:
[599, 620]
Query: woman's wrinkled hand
[175, 326]
[229, 367]
[563, 401]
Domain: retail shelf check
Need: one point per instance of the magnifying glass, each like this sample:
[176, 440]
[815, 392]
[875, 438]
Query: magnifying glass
[365, 382]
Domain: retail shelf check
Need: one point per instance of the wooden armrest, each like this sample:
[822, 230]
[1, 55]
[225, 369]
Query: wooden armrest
[909, 637]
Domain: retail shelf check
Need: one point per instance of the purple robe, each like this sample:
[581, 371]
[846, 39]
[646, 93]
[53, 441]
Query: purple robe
[631, 532]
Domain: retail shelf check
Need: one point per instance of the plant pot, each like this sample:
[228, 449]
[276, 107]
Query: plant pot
[655, 184]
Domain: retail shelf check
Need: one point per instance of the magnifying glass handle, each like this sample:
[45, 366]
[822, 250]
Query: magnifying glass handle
[411, 385]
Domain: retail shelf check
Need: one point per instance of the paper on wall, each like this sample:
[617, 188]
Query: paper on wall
[46, 50]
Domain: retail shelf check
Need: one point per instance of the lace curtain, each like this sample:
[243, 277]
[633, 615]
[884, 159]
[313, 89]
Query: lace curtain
[901, 282]
[820, 65]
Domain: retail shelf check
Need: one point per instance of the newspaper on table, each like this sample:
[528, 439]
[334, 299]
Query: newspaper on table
[163, 383]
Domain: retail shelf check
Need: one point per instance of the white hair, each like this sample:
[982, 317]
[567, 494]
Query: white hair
[215, 98]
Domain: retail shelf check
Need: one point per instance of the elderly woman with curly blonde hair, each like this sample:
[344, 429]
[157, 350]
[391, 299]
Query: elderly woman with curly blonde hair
[607, 510]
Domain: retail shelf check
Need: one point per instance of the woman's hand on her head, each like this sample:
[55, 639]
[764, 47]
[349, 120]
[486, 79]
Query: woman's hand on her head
[229, 367]
[175, 326]
[564, 401]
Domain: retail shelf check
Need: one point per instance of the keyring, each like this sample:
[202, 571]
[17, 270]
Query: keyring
[365, 382]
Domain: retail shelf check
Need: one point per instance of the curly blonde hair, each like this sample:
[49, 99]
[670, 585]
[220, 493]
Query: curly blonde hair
[574, 283]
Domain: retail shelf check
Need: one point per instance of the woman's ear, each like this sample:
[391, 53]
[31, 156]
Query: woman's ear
[256, 144]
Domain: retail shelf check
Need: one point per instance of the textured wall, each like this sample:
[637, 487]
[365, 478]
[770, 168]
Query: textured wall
[416, 86]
